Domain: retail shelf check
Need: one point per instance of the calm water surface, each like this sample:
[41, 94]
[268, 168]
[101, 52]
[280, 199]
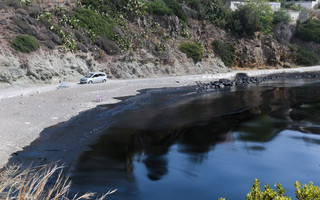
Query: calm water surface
[181, 145]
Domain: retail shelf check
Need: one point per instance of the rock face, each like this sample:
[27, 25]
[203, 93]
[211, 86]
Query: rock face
[262, 51]
[154, 49]
[53, 66]
[284, 32]
[40, 66]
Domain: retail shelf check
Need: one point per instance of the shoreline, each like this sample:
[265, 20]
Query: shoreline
[26, 111]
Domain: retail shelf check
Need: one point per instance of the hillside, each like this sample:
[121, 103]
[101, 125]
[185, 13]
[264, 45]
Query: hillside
[135, 38]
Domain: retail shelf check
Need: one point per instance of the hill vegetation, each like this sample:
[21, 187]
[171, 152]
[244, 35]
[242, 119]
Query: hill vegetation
[169, 31]
[25, 43]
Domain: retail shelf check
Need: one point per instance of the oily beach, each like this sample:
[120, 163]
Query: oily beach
[26, 111]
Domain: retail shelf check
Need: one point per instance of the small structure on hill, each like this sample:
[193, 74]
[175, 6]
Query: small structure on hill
[274, 5]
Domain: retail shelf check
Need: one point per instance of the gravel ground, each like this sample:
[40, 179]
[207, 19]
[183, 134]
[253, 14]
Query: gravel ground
[26, 111]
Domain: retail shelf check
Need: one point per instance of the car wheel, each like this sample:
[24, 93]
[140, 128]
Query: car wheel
[90, 82]
[104, 80]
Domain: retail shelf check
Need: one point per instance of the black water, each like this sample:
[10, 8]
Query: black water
[176, 144]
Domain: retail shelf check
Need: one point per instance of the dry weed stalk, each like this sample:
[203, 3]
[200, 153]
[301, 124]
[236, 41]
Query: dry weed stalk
[44, 182]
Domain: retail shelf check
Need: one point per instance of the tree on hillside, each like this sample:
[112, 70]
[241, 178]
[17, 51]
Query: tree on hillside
[251, 17]
[309, 30]
[215, 11]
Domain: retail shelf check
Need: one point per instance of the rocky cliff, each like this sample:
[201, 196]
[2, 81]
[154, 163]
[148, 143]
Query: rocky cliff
[157, 53]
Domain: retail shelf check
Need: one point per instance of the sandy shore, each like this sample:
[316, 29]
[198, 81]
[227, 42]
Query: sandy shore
[26, 111]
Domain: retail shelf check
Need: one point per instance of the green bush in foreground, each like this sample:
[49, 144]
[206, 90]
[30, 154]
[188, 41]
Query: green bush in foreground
[192, 50]
[25, 43]
[303, 192]
[225, 51]
[306, 57]
[257, 194]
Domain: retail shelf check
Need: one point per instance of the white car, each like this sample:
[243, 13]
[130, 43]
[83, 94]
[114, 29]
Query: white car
[94, 77]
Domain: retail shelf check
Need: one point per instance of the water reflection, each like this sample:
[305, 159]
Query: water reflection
[155, 143]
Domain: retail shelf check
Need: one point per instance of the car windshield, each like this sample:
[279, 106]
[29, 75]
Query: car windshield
[89, 75]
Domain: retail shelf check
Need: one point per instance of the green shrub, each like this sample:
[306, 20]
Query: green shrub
[25, 43]
[306, 57]
[158, 7]
[105, 6]
[194, 4]
[96, 22]
[166, 7]
[176, 9]
[252, 17]
[309, 30]
[216, 12]
[118, 4]
[225, 51]
[193, 50]
[281, 16]
[137, 7]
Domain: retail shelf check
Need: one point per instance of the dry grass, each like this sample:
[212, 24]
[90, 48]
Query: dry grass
[38, 183]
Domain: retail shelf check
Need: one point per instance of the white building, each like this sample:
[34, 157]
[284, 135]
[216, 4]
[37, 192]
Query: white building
[277, 5]
[274, 5]
[307, 4]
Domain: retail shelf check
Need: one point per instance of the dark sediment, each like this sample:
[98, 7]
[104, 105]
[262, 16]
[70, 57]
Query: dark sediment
[57, 143]
[242, 79]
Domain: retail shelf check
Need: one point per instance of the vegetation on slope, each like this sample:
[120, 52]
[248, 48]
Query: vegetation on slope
[281, 16]
[95, 22]
[309, 30]
[225, 51]
[192, 49]
[306, 57]
[252, 17]
[109, 27]
[25, 43]
[158, 7]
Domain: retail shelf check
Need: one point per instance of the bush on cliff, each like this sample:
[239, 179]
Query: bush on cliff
[281, 16]
[309, 30]
[252, 17]
[96, 22]
[225, 51]
[216, 12]
[177, 9]
[158, 7]
[193, 50]
[103, 6]
[166, 7]
[194, 4]
[25, 43]
[306, 57]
